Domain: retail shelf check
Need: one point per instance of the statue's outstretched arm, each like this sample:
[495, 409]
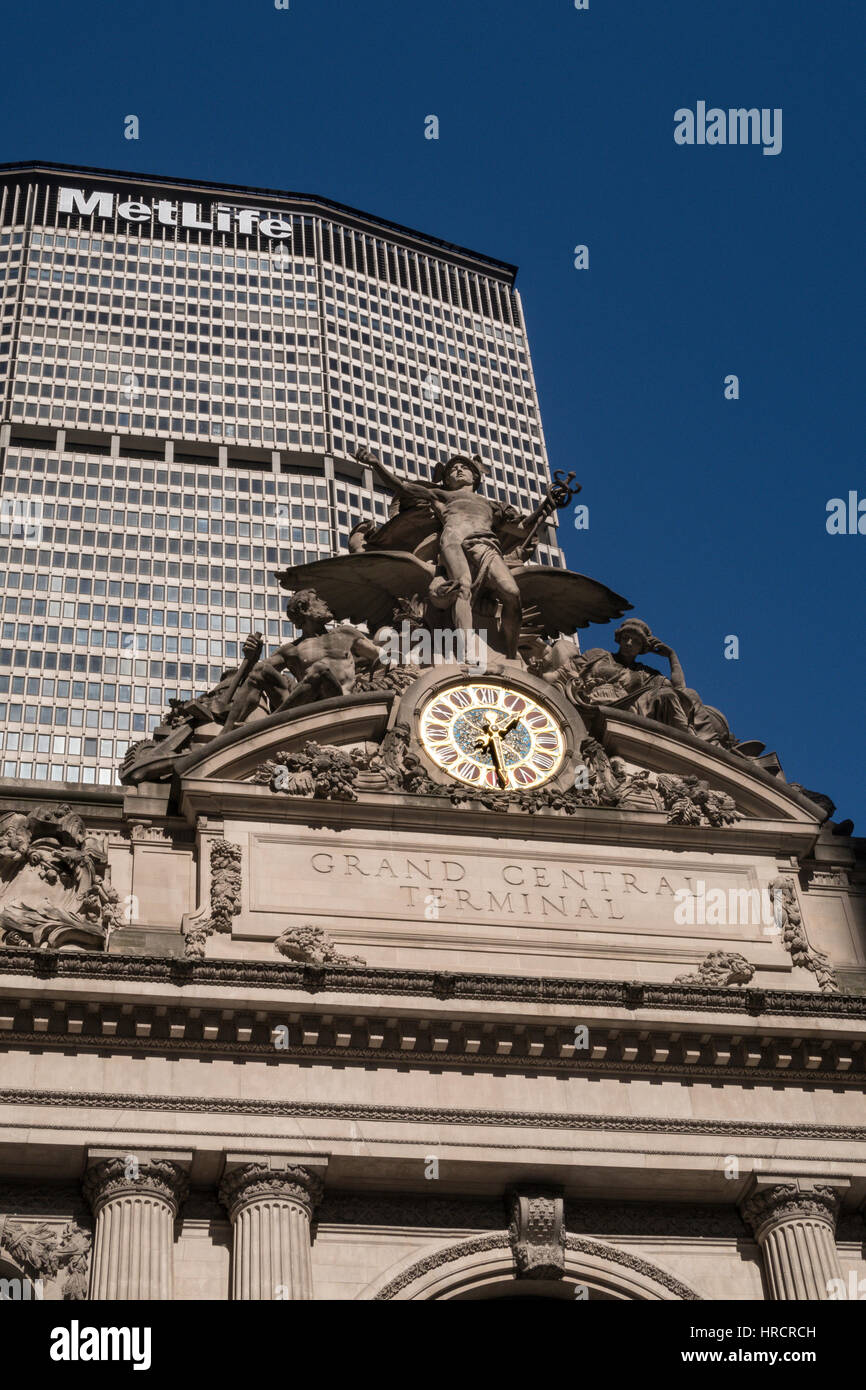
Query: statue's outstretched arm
[411, 491]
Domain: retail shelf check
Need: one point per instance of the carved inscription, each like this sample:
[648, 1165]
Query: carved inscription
[558, 890]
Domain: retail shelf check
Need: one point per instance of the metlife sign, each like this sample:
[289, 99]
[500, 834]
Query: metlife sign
[167, 213]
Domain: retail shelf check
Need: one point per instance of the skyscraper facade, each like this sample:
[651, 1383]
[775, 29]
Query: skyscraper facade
[186, 370]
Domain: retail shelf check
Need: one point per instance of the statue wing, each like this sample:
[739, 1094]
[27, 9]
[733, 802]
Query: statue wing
[363, 587]
[409, 530]
[557, 600]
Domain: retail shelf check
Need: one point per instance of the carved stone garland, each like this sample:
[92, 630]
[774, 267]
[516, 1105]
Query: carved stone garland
[225, 898]
[790, 919]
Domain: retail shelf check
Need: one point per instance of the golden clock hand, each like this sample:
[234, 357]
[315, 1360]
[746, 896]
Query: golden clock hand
[496, 755]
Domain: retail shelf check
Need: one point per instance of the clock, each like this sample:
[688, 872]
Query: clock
[490, 735]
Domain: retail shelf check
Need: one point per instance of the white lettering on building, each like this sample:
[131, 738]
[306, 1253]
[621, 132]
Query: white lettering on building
[221, 218]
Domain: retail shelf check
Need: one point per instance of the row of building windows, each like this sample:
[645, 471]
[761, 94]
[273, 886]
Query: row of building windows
[41, 305]
[117, 564]
[186, 334]
[116, 639]
[128, 382]
[210, 479]
[137, 566]
[106, 256]
[60, 772]
[67, 745]
[154, 699]
[36, 279]
[216, 621]
[51, 688]
[425, 433]
[27, 518]
[100, 246]
[215, 480]
[99, 692]
[214, 506]
[249, 325]
[68, 716]
[341, 246]
[81, 662]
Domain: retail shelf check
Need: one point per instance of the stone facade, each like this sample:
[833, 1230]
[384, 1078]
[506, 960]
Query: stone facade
[312, 1014]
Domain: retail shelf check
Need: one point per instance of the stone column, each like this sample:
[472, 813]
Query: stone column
[135, 1201]
[794, 1223]
[270, 1201]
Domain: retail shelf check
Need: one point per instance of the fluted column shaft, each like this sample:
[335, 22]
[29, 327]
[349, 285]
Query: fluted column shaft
[794, 1222]
[271, 1211]
[135, 1207]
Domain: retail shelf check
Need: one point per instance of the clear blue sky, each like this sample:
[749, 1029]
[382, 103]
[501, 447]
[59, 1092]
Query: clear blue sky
[556, 128]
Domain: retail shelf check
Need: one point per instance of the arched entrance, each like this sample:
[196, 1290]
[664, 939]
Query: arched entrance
[482, 1267]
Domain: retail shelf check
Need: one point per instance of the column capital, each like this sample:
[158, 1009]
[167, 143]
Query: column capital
[272, 1177]
[776, 1198]
[113, 1175]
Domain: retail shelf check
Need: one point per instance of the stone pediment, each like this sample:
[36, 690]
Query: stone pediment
[638, 770]
[756, 792]
[235, 757]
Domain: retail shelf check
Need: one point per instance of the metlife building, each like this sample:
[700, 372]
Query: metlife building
[186, 371]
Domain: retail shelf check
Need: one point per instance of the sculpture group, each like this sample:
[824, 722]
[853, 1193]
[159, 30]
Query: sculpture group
[55, 890]
[449, 561]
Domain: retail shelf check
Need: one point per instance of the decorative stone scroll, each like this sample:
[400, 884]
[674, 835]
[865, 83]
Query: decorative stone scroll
[537, 1232]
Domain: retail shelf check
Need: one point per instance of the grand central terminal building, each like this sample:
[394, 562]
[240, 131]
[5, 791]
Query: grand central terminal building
[424, 951]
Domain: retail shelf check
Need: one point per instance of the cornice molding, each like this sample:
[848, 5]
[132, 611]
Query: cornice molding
[446, 1042]
[592, 825]
[408, 1114]
[311, 203]
[430, 984]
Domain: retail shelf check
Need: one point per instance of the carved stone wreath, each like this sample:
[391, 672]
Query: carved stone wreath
[313, 946]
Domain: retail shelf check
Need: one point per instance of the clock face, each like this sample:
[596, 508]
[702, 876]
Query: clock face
[491, 736]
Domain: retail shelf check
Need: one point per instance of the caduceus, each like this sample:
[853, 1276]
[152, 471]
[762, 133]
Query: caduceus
[491, 742]
[558, 494]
